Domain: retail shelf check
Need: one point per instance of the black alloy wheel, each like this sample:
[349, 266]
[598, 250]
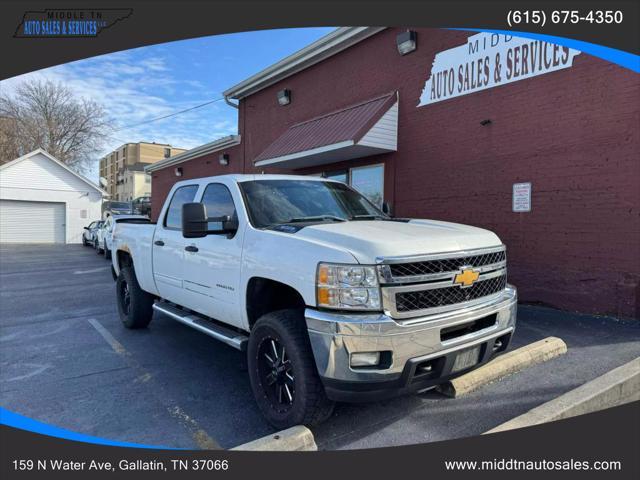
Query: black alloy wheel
[276, 374]
[135, 306]
[124, 297]
[282, 371]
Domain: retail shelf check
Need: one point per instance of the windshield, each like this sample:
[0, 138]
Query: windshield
[274, 202]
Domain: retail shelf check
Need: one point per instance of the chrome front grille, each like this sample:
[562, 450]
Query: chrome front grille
[445, 265]
[429, 284]
[440, 297]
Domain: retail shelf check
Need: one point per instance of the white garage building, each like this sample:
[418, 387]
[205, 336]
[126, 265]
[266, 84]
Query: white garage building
[44, 201]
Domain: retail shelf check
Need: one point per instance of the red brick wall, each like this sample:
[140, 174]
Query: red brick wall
[572, 133]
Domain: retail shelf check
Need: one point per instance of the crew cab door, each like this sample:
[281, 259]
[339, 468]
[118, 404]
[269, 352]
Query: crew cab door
[212, 263]
[168, 247]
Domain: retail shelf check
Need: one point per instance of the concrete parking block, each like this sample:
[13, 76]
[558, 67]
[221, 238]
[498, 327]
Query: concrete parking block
[511, 362]
[298, 438]
[619, 386]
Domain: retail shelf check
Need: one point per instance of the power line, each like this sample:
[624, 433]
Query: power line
[169, 115]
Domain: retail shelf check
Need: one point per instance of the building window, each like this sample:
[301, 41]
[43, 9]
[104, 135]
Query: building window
[340, 176]
[369, 181]
[147, 179]
[167, 152]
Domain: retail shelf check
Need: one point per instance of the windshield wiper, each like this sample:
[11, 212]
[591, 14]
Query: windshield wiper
[316, 218]
[368, 217]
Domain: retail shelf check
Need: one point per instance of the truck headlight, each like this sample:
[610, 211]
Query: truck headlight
[353, 287]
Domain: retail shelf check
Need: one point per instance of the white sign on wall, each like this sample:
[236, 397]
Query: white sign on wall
[522, 197]
[488, 60]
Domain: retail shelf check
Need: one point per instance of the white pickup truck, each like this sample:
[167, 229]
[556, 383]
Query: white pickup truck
[332, 299]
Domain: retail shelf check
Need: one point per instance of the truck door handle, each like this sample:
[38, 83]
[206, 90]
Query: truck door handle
[159, 243]
[191, 248]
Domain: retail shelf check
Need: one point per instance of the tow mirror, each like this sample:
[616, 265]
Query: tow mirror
[386, 208]
[194, 220]
[196, 223]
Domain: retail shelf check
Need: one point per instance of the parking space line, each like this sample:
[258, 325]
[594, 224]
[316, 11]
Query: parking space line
[201, 438]
[93, 270]
[116, 345]
[36, 369]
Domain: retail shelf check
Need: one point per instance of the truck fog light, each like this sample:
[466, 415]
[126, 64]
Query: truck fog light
[365, 359]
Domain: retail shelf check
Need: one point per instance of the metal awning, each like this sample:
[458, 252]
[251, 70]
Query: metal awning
[367, 128]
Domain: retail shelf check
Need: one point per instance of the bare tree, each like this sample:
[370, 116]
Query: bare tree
[44, 114]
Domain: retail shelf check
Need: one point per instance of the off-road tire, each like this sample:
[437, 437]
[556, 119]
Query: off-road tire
[310, 405]
[137, 312]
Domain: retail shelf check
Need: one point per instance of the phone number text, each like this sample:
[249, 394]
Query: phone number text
[540, 17]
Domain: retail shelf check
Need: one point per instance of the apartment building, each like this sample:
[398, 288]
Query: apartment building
[123, 168]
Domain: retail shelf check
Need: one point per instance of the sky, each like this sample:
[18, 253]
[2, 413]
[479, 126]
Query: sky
[148, 82]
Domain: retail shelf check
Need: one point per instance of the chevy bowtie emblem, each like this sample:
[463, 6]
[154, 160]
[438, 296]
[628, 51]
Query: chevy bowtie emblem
[466, 277]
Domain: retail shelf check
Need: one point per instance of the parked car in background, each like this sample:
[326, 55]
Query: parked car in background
[142, 205]
[105, 233]
[89, 234]
[116, 208]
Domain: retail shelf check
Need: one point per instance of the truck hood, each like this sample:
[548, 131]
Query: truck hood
[367, 240]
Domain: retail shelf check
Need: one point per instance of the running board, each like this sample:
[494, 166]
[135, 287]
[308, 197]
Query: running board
[204, 325]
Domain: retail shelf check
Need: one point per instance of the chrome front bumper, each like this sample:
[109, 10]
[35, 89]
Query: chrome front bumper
[413, 343]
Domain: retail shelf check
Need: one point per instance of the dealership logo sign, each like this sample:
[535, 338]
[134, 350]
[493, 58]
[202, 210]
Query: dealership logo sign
[489, 60]
[69, 23]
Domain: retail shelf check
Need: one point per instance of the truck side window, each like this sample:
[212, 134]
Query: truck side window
[217, 198]
[182, 195]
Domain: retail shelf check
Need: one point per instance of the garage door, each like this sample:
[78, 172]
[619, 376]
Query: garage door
[31, 222]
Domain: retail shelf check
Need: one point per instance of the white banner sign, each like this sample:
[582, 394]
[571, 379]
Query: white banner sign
[522, 197]
[488, 60]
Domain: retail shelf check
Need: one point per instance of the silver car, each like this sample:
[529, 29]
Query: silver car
[89, 234]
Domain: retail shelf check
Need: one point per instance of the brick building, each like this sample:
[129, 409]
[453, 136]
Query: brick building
[568, 125]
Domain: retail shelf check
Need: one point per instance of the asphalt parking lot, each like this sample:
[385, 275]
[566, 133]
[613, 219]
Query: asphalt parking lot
[66, 360]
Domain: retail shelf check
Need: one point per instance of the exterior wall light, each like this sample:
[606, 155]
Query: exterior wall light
[486, 122]
[223, 159]
[407, 42]
[178, 171]
[284, 97]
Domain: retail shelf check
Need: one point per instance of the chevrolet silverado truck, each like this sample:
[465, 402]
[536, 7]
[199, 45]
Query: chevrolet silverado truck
[331, 298]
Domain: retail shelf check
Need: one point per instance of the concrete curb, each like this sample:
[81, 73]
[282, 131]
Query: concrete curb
[620, 385]
[298, 438]
[511, 362]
